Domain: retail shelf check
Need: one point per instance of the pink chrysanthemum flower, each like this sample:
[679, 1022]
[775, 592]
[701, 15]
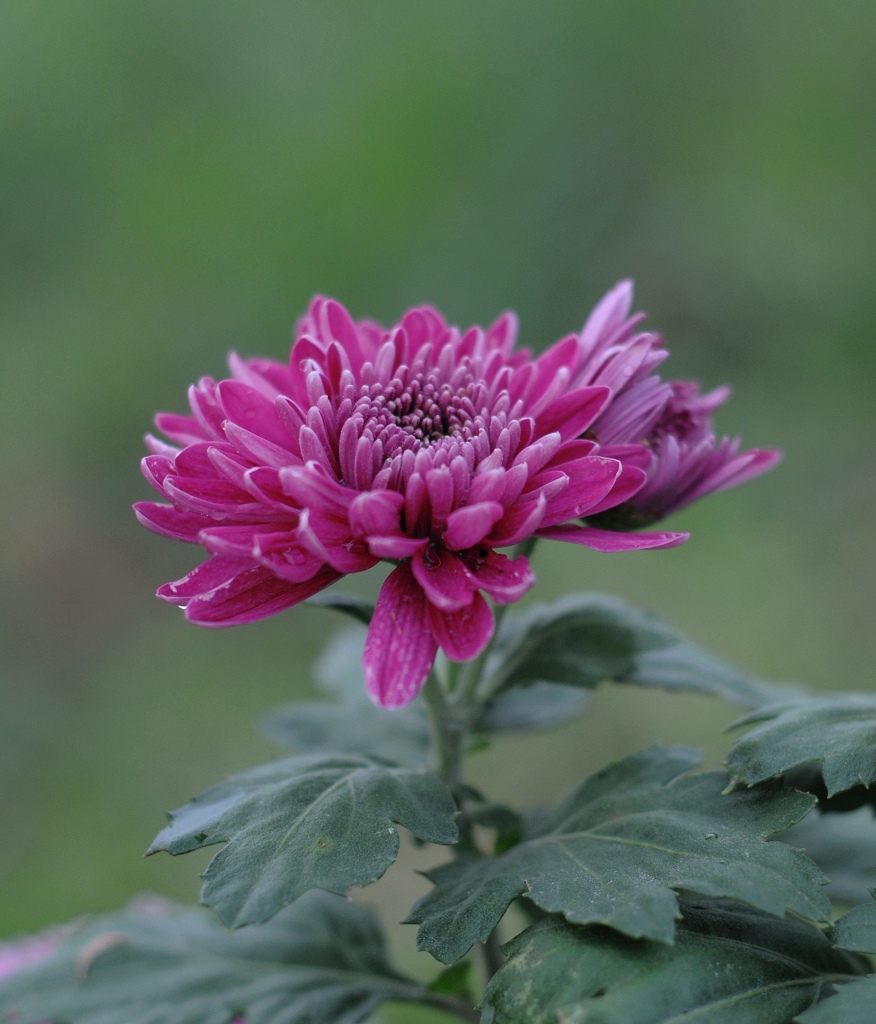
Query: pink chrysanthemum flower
[420, 445]
[664, 427]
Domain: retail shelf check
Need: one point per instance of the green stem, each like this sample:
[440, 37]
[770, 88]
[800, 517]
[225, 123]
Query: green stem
[448, 734]
[453, 708]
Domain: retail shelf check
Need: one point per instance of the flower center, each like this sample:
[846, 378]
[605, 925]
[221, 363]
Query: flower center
[422, 412]
[427, 411]
[424, 418]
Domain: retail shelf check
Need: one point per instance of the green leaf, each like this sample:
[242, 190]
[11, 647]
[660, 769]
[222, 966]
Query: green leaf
[729, 965]
[837, 731]
[854, 1003]
[508, 825]
[321, 960]
[400, 736]
[537, 705]
[808, 779]
[455, 981]
[616, 849]
[305, 823]
[587, 639]
[857, 929]
[844, 847]
[351, 724]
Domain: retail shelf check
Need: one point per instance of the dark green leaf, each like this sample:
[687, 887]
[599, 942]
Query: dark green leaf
[854, 1003]
[844, 847]
[729, 965]
[587, 639]
[321, 960]
[508, 825]
[616, 849]
[857, 928]
[808, 779]
[351, 724]
[400, 736]
[538, 705]
[356, 607]
[305, 823]
[838, 731]
[455, 981]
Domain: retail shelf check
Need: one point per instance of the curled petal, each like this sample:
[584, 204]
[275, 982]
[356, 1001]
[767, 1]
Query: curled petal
[572, 414]
[181, 429]
[504, 579]
[254, 412]
[469, 525]
[328, 535]
[211, 575]
[376, 512]
[169, 521]
[286, 558]
[520, 522]
[254, 594]
[628, 482]
[256, 448]
[312, 487]
[609, 540]
[399, 648]
[238, 541]
[589, 482]
[607, 317]
[444, 578]
[397, 546]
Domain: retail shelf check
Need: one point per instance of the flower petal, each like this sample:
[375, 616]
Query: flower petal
[396, 546]
[238, 541]
[503, 578]
[469, 525]
[573, 413]
[399, 649]
[609, 540]
[169, 521]
[590, 479]
[203, 579]
[376, 512]
[328, 535]
[444, 578]
[254, 594]
[251, 410]
[521, 521]
[462, 635]
[628, 482]
[607, 316]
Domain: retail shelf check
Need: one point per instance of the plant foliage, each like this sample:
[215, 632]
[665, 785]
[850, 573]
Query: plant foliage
[730, 964]
[321, 960]
[304, 823]
[838, 732]
[618, 849]
[586, 639]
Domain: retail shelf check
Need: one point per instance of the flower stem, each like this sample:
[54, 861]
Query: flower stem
[448, 734]
[492, 957]
[452, 711]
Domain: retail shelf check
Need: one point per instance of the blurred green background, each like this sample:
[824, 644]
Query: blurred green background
[178, 179]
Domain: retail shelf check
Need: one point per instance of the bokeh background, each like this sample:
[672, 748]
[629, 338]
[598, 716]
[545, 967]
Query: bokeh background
[177, 180]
